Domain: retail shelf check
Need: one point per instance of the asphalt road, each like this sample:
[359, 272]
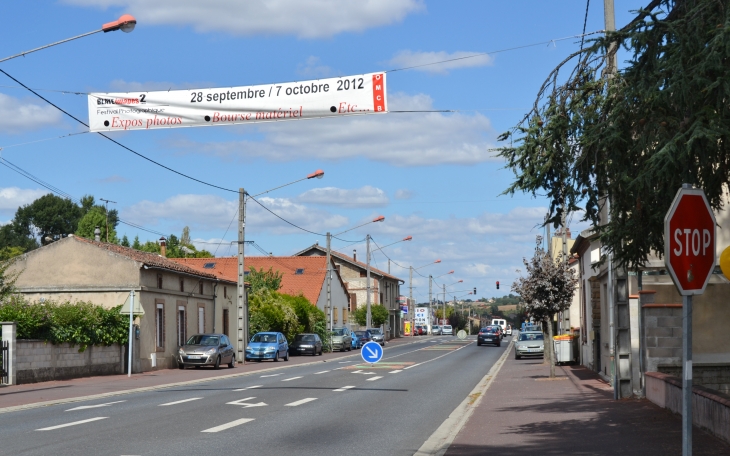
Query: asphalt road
[342, 407]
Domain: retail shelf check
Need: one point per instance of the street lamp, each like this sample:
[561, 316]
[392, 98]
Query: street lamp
[125, 23]
[329, 270]
[410, 285]
[241, 301]
[369, 254]
[430, 284]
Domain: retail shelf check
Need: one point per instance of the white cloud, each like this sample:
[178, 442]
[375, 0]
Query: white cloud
[401, 139]
[11, 198]
[305, 19]
[120, 85]
[210, 212]
[403, 194]
[18, 116]
[366, 196]
[422, 60]
[313, 68]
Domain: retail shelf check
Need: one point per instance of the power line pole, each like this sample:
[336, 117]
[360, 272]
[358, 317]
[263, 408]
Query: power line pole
[369, 318]
[241, 297]
[106, 210]
[329, 286]
[412, 308]
[430, 298]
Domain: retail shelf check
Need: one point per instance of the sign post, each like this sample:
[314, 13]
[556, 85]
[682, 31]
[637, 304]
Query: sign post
[131, 308]
[689, 254]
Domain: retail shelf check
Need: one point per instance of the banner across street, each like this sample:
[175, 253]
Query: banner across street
[350, 95]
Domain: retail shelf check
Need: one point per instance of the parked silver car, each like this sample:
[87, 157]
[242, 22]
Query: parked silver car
[341, 339]
[530, 343]
[206, 350]
[435, 330]
[376, 335]
[447, 330]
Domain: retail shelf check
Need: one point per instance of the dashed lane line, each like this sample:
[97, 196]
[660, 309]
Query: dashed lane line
[272, 375]
[395, 371]
[223, 427]
[248, 388]
[372, 379]
[290, 379]
[301, 401]
[323, 372]
[84, 407]
[180, 402]
[344, 388]
[73, 423]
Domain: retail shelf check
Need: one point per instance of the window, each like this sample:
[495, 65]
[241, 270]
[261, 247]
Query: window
[299, 271]
[381, 299]
[200, 288]
[225, 292]
[201, 319]
[160, 324]
[344, 316]
[159, 281]
[335, 311]
[182, 285]
[363, 274]
[209, 265]
[225, 321]
[353, 302]
[182, 323]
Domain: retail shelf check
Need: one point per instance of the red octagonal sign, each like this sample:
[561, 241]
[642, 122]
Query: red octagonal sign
[689, 241]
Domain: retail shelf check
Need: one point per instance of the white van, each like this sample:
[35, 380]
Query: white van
[501, 323]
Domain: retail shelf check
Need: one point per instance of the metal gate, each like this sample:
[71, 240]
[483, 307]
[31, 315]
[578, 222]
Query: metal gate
[4, 361]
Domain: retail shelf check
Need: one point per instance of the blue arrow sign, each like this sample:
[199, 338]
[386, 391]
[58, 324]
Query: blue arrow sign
[371, 352]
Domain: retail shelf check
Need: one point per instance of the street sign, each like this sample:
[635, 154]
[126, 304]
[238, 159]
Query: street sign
[689, 241]
[461, 334]
[371, 352]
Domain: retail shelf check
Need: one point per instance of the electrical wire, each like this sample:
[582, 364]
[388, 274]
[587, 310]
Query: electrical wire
[224, 234]
[585, 22]
[42, 140]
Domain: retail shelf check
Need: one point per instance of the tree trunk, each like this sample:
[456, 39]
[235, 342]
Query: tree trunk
[550, 347]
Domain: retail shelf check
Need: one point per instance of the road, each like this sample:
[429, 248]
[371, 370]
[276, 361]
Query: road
[340, 407]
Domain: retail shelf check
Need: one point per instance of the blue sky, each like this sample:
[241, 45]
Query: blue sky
[432, 175]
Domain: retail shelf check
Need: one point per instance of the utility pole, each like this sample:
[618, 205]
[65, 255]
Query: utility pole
[241, 297]
[329, 286]
[444, 305]
[430, 298]
[106, 211]
[369, 318]
[411, 307]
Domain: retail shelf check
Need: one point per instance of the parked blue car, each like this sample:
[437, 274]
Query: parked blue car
[267, 345]
[356, 342]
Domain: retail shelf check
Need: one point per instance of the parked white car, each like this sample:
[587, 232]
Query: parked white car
[447, 330]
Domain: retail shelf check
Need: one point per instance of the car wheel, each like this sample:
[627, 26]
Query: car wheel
[479, 344]
[181, 366]
[286, 357]
[499, 344]
[320, 352]
[197, 367]
[517, 356]
[232, 364]
[349, 348]
[217, 364]
[276, 356]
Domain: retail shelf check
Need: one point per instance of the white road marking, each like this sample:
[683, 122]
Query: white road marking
[290, 379]
[323, 372]
[238, 402]
[248, 388]
[180, 402]
[272, 375]
[345, 362]
[395, 371]
[223, 427]
[242, 402]
[344, 388]
[302, 401]
[73, 424]
[84, 407]
[371, 379]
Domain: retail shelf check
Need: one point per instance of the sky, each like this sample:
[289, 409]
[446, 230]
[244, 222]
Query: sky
[432, 175]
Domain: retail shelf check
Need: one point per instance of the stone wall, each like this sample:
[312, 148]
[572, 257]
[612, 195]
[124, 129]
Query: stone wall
[663, 336]
[712, 376]
[41, 361]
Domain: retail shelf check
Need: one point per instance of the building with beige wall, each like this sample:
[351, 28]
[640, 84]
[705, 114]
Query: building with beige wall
[177, 300]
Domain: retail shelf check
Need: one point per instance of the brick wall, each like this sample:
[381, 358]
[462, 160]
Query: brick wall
[663, 337]
[40, 361]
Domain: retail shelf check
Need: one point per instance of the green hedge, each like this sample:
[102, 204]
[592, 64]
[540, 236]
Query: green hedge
[79, 323]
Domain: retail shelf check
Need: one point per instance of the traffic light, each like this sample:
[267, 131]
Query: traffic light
[475, 291]
[497, 284]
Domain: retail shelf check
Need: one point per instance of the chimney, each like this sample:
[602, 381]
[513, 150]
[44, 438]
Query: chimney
[163, 247]
[97, 234]
[354, 254]
[568, 234]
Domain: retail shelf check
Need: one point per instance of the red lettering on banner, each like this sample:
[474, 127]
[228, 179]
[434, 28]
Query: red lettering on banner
[378, 93]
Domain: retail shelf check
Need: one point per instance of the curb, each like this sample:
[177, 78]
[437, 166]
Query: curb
[441, 439]
[17, 408]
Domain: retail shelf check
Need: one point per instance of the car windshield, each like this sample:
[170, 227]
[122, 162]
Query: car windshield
[531, 336]
[202, 339]
[304, 338]
[375, 331]
[447, 326]
[359, 333]
[339, 332]
[264, 338]
[435, 326]
[489, 329]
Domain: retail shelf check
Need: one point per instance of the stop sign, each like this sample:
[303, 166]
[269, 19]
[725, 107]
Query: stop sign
[689, 241]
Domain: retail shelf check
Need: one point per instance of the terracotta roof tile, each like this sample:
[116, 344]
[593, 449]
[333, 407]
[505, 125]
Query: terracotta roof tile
[309, 283]
[150, 259]
[350, 259]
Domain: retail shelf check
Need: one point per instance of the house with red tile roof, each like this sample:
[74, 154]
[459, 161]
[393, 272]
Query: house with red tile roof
[384, 287]
[300, 275]
[178, 300]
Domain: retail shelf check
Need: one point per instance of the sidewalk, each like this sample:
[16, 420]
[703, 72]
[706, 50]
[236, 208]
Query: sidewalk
[526, 413]
[62, 390]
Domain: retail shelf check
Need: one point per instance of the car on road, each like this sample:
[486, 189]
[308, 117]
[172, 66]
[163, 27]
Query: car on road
[341, 339]
[447, 330]
[435, 330]
[530, 343]
[489, 335]
[267, 345]
[508, 331]
[532, 328]
[376, 335]
[206, 350]
[501, 323]
[306, 344]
